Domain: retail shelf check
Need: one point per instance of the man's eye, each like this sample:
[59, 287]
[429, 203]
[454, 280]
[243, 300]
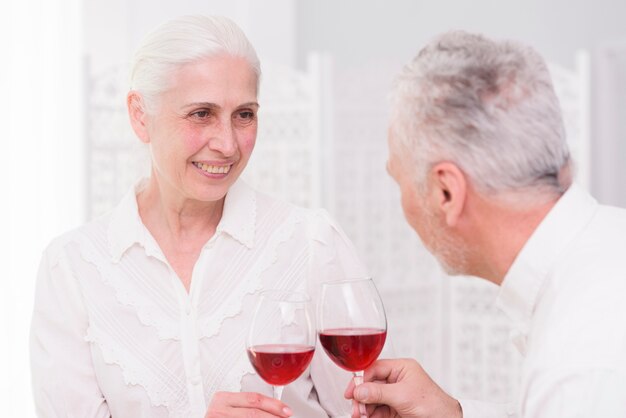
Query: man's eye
[246, 115]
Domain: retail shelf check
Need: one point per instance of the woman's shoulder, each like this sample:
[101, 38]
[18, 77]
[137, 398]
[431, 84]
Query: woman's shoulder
[318, 223]
[90, 231]
[267, 203]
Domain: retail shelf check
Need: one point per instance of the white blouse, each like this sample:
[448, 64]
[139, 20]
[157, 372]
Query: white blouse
[115, 333]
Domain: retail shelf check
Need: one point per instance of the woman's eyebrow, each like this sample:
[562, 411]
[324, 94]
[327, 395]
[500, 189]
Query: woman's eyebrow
[249, 104]
[211, 105]
[202, 104]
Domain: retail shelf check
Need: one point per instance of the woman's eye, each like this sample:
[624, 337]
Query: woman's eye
[201, 114]
[246, 115]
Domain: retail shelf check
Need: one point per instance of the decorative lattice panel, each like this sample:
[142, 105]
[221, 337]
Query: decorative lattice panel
[572, 89]
[286, 161]
[115, 157]
[324, 144]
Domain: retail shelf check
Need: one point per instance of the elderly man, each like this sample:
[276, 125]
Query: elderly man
[477, 146]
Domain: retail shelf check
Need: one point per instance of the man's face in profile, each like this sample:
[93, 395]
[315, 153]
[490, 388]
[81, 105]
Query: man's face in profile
[419, 205]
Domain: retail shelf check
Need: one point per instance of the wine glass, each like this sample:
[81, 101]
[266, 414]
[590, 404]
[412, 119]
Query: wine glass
[352, 325]
[281, 339]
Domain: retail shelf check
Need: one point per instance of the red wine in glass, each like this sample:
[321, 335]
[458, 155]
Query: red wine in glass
[281, 338]
[280, 364]
[352, 325]
[353, 349]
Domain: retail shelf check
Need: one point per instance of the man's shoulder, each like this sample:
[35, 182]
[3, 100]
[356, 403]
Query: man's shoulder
[604, 238]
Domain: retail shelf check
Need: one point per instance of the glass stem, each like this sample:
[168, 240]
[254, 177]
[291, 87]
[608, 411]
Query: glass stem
[358, 380]
[278, 392]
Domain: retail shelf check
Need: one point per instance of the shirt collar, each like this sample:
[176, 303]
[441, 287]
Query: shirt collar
[238, 219]
[239, 214]
[522, 285]
[125, 227]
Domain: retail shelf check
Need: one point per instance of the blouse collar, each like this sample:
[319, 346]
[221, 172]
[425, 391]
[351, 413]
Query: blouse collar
[126, 228]
[521, 288]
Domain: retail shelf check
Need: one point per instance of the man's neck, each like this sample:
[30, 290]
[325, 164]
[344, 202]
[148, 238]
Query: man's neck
[502, 230]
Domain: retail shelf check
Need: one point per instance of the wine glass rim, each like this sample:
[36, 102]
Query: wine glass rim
[278, 295]
[348, 280]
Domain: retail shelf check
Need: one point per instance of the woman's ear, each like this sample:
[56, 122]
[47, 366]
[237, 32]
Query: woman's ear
[449, 191]
[137, 115]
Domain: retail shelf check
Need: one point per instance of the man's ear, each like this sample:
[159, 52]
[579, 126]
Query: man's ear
[137, 115]
[449, 191]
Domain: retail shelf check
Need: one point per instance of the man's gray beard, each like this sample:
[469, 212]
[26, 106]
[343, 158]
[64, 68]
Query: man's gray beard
[450, 252]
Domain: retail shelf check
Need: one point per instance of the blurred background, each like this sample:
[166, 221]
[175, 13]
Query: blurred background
[69, 153]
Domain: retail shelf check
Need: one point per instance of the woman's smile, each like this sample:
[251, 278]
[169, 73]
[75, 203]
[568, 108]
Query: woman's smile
[213, 170]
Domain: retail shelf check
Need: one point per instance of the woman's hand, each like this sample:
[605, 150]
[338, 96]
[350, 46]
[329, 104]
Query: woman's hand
[250, 404]
[401, 389]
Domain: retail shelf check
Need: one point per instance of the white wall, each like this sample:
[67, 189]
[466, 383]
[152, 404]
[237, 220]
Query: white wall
[366, 33]
[114, 28]
[357, 30]
[41, 166]
[609, 127]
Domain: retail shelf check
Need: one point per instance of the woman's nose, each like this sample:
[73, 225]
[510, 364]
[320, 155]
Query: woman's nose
[223, 139]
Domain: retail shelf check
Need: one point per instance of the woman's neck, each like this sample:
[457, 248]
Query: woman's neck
[165, 211]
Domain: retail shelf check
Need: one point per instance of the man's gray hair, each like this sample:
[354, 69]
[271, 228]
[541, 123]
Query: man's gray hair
[181, 41]
[488, 107]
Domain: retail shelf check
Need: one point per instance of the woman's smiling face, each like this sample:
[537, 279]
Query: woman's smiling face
[204, 127]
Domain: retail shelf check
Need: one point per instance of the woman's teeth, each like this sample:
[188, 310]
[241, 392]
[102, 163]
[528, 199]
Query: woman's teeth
[213, 169]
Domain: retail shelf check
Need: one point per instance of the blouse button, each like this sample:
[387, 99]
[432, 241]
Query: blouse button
[195, 379]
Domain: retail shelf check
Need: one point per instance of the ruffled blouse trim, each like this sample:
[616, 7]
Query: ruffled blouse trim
[162, 388]
[134, 289]
[264, 255]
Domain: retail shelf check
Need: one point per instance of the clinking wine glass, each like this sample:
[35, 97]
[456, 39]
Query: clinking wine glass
[281, 339]
[352, 325]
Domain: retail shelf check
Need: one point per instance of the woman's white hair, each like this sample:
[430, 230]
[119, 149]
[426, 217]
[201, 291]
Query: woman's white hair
[488, 107]
[184, 40]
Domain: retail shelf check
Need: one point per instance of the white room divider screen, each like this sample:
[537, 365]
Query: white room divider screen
[322, 142]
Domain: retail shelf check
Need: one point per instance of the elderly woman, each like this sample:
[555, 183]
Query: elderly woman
[143, 312]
